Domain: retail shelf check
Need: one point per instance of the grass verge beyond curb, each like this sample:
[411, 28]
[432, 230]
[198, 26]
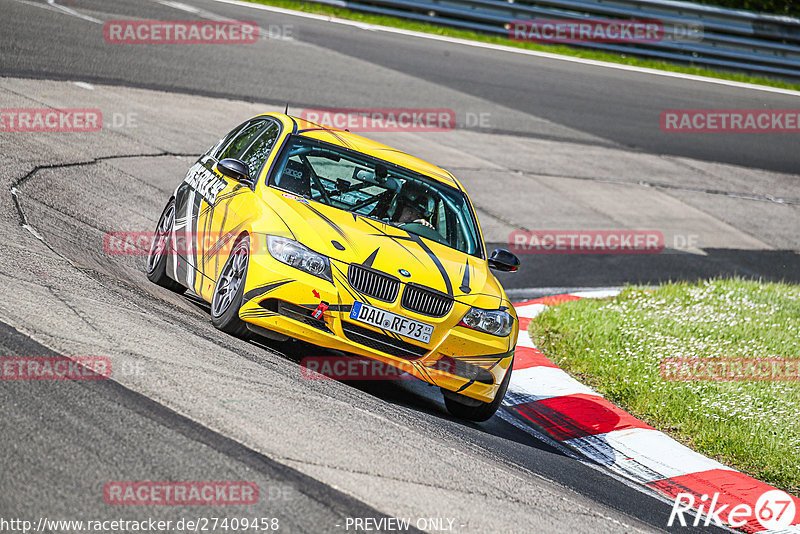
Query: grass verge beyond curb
[395, 22]
[617, 345]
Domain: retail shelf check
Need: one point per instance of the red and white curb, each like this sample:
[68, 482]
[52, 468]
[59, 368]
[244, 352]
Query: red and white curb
[546, 398]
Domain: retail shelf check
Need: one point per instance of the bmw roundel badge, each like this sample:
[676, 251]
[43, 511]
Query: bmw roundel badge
[404, 273]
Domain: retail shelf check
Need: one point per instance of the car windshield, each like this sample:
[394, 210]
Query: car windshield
[373, 188]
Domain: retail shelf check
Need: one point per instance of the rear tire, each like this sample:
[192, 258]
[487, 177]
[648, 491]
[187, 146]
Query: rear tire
[229, 291]
[157, 257]
[475, 410]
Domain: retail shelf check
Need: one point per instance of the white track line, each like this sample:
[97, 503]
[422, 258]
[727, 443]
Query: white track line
[74, 13]
[634, 450]
[530, 311]
[178, 5]
[524, 340]
[202, 13]
[52, 6]
[596, 293]
[538, 383]
[37, 4]
[501, 48]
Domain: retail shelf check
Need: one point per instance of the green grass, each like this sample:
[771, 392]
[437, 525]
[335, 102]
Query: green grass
[322, 9]
[616, 346]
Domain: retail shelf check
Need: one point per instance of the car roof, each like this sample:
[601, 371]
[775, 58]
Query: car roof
[369, 147]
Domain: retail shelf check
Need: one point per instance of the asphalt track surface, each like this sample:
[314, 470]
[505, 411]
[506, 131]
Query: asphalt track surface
[328, 69]
[194, 404]
[311, 63]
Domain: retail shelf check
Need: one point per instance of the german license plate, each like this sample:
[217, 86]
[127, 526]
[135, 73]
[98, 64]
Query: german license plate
[391, 322]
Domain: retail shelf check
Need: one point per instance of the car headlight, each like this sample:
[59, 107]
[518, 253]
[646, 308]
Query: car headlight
[298, 256]
[495, 322]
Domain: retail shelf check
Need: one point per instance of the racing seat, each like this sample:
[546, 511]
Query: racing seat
[295, 178]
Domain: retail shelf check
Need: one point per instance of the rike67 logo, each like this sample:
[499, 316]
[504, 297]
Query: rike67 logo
[774, 510]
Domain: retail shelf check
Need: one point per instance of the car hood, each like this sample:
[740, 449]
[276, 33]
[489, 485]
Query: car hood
[351, 238]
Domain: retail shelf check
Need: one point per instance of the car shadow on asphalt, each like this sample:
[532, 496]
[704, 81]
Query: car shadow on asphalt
[405, 392]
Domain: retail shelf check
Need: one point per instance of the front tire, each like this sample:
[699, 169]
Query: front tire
[229, 291]
[157, 257]
[474, 410]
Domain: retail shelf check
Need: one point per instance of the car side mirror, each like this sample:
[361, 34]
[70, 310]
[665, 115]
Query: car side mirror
[503, 260]
[236, 170]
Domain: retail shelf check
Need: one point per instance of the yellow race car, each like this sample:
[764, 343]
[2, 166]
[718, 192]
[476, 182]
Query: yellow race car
[291, 229]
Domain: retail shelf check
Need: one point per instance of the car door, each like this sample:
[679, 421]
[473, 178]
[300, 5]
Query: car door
[200, 191]
[221, 219]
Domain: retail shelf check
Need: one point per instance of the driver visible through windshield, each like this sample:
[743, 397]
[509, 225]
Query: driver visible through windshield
[377, 189]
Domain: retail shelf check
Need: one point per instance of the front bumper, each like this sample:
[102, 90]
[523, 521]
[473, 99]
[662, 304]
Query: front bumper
[282, 299]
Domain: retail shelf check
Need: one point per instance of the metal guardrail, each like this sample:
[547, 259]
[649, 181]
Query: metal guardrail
[725, 39]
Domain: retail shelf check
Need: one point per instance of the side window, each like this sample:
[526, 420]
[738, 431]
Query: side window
[222, 143]
[442, 225]
[259, 150]
[242, 140]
